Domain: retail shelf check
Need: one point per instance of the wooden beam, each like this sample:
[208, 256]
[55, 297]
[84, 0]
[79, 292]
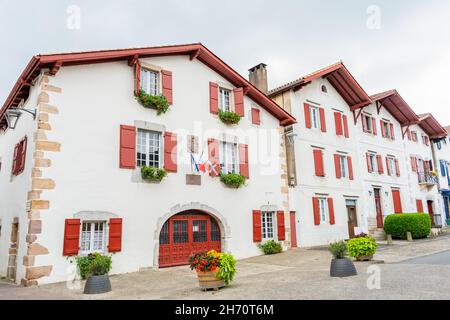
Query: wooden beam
[245, 90]
[405, 132]
[355, 117]
[133, 60]
[55, 68]
[194, 54]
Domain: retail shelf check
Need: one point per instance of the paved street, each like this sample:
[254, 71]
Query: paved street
[410, 271]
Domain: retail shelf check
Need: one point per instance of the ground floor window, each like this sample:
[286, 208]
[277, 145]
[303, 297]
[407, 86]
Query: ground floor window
[93, 234]
[267, 224]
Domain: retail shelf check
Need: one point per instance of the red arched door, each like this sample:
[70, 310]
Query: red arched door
[187, 233]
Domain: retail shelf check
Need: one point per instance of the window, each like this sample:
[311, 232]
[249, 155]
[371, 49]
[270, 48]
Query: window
[343, 163]
[149, 148]
[390, 162]
[323, 210]
[386, 129]
[19, 156]
[324, 89]
[229, 161]
[267, 224]
[315, 117]
[414, 136]
[93, 234]
[425, 140]
[368, 124]
[373, 162]
[224, 99]
[150, 81]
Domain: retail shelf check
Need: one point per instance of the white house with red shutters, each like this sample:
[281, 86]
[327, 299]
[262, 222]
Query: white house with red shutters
[326, 185]
[70, 175]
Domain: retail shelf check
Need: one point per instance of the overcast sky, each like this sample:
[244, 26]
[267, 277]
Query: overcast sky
[385, 44]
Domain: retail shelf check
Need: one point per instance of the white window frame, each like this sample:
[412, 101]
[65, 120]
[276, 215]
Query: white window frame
[229, 157]
[151, 87]
[373, 162]
[369, 124]
[223, 99]
[92, 237]
[143, 146]
[391, 161]
[314, 116]
[268, 225]
[387, 129]
[323, 210]
[414, 133]
[343, 164]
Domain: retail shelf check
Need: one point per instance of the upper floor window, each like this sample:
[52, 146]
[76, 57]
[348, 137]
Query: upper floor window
[390, 164]
[224, 99]
[368, 124]
[93, 234]
[229, 160]
[343, 164]
[267, 224]
[386, 129]
[414, 136]
[314, 116]
[149, 148]
[425, 140]
[20, 151]
[373, 162]
[150, 81]
[323, 210]
[324, 89]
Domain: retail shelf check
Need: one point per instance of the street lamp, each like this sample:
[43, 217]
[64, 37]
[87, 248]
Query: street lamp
[13, 115]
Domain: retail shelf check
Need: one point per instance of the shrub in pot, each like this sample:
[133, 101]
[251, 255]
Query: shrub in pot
[229, 117]
[234, 180]
[158, 102]
[340, 265]
[95, 267]
[397, 225]
[271, 247]
[152, 173]
[362, 248]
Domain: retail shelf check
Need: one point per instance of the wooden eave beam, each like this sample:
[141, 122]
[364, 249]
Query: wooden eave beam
[194, 54]
[55, 68]
[357, 114]
[133, 60]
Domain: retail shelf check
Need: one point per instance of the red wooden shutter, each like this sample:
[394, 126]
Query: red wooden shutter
[71, 237]
[331, 210]
[391, 126]
[256, 119]
[257, 236]
[344, 119]
[239, 101]
[316, 210]
[281, 226]
[388, 167]
[22, 155]
[243, 160]
[430, 164]
[323, 123]
[397, 168]
[115, 235]
[337, 166]
[413, 164]
[374, 126]
[15, 159]
[369, 163]
[419, 205]
[167, 85]
[318, 162]
[170, 151]
[137, 78]
[397, 201]
[127, 147]
[213, 156]
[364, 123]
[408, 133]
[380, 164]
[338, 123]
[307, 116]
[213, 98]
[350, 168]
[383, 131]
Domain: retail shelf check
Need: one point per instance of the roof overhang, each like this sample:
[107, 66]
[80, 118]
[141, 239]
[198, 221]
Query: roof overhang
[393, 102]
[53, 62]
[340, 78]
[431, 126]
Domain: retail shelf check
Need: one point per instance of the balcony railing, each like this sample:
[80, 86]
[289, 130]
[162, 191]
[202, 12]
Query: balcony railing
[437, 221]
[427, 179]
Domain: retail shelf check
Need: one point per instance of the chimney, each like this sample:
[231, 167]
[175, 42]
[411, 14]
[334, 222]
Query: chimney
[258, 77]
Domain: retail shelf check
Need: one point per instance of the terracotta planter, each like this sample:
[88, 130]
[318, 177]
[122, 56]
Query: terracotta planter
[342, 268]
[209, 280]
[365, 258]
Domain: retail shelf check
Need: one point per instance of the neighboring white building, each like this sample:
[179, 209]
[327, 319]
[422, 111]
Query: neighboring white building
[78, 188]
[327, 190]
[441, 148]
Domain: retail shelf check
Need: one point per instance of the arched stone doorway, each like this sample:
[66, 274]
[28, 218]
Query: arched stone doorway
[191, 228]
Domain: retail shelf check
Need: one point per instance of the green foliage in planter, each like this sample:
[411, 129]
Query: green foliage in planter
[232, 179]
[363, 246]
[93, 264]
[338, 249]
[397, 225]
[229, 117]
[158, 102]
[153, 173]
[227, 267]
[271, 247]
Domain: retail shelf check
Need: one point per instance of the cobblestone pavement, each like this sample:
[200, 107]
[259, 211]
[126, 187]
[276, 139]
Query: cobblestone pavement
[295, 274]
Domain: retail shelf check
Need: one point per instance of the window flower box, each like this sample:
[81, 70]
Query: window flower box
[229, 117]
[152, 173]
[232, 179]
[157, 102]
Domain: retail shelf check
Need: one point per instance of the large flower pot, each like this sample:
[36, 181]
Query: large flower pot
[97, 284]
[209, 280]
[342, 268]
[365, 258]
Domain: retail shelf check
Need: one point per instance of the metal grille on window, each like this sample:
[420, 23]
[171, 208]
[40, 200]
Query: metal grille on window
[148, 148]
[164, 235]
[215, 232]
[199, 231]
[149, 82]
[180, 234]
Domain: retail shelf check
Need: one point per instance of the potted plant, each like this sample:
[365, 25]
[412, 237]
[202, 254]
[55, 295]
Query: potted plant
[214, 270]
[362, 248]
[158, 102]
[229, 117]
[271, 247]
[234, 180]
[340, 265]
[95, 267]
[150, 173]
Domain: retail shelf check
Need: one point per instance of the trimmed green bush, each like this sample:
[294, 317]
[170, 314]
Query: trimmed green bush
[93, 264]
[338, 249]
[397, 225]
[229, 117]
[271, 247]
[363, 246]
[232, 179]
[158, 102]
[153, 173]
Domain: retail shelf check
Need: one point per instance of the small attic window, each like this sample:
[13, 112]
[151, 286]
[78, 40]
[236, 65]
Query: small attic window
[324, 89]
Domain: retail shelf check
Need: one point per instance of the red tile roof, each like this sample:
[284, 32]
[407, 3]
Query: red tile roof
[398, 107]
[431, 126]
